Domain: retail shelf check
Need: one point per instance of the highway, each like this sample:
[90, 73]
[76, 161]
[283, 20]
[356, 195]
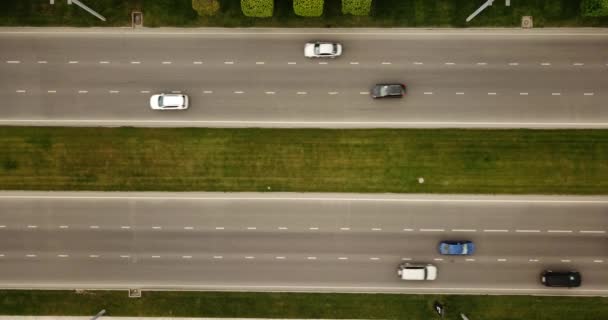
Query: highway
[298, 242]
[506, 78]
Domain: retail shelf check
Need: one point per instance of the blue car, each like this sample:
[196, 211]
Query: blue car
[453, 247]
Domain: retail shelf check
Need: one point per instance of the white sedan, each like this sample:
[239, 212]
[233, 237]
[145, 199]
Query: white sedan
[322, 50]
[169, 101]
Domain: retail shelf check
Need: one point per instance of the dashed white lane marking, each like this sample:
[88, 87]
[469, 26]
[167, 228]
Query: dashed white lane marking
[2, 226]
[464, 230]
[566, 260]
[495, 230]
[345, 228]
[219, 228]
[481, 63]
[469, 259]
[259, 62]
[545, 64]
[93, 227]
[407, 229]
[20, 91]
[428, 93]
[270, 92]
[578, 64]
[156, 227]
[438, 259]
[311, 258]
[250, 257]
[313, 228]
[523, 93]
[63, 227]
[556, 94]
[186, 257]
[491, 93]
[559, 231]
[42, 61]
[176, 91]
[125, 227]
[460, 93]
[135, 62]
[374, 258]
[145, 91]
[323, 62]
[189, 228]
[280, 258]
[239, 92]
[432, 230]
[501, 260]
[449, 63]
[588, 93]
[592, 231]
[376, 229]
[1, 255]
[197, 62]
[302, 92]
[406, 259]
[228, 62]
[354, 62]
[104, 62]
[533, 260]
[342, 258]
[282, 228]
[513, 63]
[291, 63]
[363, 92]
[418, 63]
[386, 62]
[166, 62]
[598, 261]
[207, 91]
[524, 230]
[125, 256]
[93, 256]
[13, 61]
[155, 257]
[62, 255]
[51, 91]
[251, 228]
[30, 255]
[73, 62]
[114, 91]
[332, 93]
[32, 227]
[218, 257]
[83, 91]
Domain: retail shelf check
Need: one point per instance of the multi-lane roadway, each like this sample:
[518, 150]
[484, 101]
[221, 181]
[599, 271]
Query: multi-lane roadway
[298, 242]
[250, 77]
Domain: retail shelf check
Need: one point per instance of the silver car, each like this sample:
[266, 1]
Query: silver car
[169, 101]
[322, 50]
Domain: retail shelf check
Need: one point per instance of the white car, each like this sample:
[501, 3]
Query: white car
[322, 50]
[412, 271]
[169, 101]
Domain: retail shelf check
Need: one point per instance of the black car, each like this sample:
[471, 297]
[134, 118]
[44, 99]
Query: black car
[568, 279]
[388, 90]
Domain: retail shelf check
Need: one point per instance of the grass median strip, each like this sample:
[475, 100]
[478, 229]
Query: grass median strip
[299, 305]
[306, 160]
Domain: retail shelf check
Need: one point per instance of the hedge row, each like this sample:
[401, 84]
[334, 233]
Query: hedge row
[308, 8]
[206, 7]
[258, 8]
[594, 8]
[356, 7]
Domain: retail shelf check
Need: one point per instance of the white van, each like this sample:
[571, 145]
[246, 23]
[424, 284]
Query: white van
[413, 271]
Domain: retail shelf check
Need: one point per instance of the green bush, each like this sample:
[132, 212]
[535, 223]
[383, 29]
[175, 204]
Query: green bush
[356, 7]
[594, 8]
[258, 8]
[206, 7]
[308, 8]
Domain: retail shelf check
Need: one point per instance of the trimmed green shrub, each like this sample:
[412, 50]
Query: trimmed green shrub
[594, 8]
[357, 7]
[206, 7]
[258, 8]
[308, 8]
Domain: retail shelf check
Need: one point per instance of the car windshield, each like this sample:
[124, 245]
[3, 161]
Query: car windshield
[160, 101]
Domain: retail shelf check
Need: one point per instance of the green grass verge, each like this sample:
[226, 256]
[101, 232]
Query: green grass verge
[311, 160]
[300, 305]
[385, 13]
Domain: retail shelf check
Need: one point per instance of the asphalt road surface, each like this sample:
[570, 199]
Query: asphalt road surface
[259, 78]
[298, 242]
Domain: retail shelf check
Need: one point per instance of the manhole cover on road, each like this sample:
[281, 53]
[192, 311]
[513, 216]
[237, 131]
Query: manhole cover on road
[526, 22]
[137, 19]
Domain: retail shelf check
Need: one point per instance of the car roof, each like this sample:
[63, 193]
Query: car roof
[173, 100]
[565, 278]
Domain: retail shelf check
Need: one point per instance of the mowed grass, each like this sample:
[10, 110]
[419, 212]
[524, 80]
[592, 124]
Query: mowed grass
[312, 160]
[300, 305]
[385, 13]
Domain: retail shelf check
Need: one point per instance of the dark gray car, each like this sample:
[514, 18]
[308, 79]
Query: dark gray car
[388, 90]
